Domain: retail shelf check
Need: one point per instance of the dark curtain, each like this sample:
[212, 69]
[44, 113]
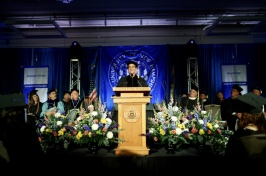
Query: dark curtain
[58, 62]
[11, 69]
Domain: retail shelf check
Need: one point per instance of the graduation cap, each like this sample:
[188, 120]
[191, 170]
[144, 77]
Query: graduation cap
[132, 62]
[12, 100]
[195, 88]
[257, 88]
[33, 92]
[252, 103]
[237, 87]
[51, 90]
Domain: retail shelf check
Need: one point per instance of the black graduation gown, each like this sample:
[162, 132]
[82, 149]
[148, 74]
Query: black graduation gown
[128, 81]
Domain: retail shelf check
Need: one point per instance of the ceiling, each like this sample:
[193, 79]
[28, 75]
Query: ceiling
[55, 23]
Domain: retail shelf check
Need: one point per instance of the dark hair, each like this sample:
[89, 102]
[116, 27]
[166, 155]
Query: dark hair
[74, 90]
[256, 119]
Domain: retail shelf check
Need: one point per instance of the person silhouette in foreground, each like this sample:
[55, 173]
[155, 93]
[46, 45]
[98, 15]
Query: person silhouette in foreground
[249, 124]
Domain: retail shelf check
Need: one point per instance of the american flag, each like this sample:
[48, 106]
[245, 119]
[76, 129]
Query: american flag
[93, 91]
[93, 95]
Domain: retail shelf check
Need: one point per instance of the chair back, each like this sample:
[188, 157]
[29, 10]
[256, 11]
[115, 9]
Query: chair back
[254, 146]
[215, 109]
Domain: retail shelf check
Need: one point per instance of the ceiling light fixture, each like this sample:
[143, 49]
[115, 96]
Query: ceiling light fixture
[65, 1]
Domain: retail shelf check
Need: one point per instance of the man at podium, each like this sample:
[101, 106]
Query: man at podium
[132, 80]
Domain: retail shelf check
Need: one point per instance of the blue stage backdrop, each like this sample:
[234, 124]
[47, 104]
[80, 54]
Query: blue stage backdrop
[154, 67]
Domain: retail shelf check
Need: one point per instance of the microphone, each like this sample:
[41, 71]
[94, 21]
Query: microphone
[139, 83]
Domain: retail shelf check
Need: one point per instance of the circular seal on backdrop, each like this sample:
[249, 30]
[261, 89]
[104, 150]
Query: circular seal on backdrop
[131, 114]
[147, 67]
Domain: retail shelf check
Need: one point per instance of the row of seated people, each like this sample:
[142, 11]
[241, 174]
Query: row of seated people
[71, 100]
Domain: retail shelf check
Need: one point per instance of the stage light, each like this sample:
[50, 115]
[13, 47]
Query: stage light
[192, 48]
[75, 50]
[75, 43]
[191, 41]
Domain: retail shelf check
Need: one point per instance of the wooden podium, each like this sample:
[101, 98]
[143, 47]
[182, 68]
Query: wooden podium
[131, 102]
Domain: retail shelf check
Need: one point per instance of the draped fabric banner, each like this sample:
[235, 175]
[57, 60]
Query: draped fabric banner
[36, 78]
[234, 74]
[153, 63]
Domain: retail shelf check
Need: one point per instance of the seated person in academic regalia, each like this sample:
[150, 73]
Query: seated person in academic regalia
[258, 91]
[75, 101]
[52, 104]
[132, 80]
[76, 104]
[67, 102]
[190, 102]
[232, 107]
[203, 100]
[34, 107]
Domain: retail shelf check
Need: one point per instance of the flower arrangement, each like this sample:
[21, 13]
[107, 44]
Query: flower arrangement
[79, 127]
[166, 127]
[173, 125]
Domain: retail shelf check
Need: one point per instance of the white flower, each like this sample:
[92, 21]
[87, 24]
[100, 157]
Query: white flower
[59, 123]
[178, 131]
[174, 118]
[110, 135]
[57, 115]
[108, 121]
[201, 122]
[104, 115]
[42, 128]
[203, 112]
[216, 126]
[160, 114]
[79, 118]
[91, 107]
[94, 113]
[151, 130]
[175, 108]
[95, 126]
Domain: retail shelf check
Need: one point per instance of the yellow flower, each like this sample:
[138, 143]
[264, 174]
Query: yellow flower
[103, 120]
[48, 130]
[79, 135]
[201, 132]
[209, 125]
[182, 126]
[61, 132]
[162, 132]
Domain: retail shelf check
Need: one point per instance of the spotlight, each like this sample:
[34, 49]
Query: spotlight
[192, 48]
[191, 41]
[75, 50]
